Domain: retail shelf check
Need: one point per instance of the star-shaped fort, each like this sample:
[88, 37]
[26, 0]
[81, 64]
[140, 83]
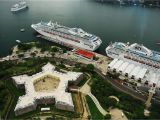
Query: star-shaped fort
[46, 87]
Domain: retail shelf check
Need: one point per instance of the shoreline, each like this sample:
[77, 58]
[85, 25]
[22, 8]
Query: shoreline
[101, 63]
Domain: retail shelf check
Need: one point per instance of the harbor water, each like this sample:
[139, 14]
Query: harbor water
[109, 22]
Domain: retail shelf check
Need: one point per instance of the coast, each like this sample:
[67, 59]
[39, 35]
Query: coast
[100, 63]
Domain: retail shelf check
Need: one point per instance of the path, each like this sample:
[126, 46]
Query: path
[85, 89]
[118, 114]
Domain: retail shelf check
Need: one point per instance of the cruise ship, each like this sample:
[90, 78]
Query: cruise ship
[71, 37]
[19, 6]
[135, 52]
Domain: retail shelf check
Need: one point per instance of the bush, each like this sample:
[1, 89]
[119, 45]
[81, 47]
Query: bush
[54, 49]
[24, 47]
[107, 116]
[90, 68]
[20, 55]
[111, 102]
[33, 54]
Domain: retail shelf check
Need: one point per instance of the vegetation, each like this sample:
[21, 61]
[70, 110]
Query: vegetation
[95, 114]
[24, 47]
[82, 82]
[155, 112]
[5, 99]
[111, 102]
[54, 49]
[89, 68]
[133, 108]
[107, 117]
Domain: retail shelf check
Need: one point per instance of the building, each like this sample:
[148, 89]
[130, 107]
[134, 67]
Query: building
[145, 77]
[46, 87]
[85, 54]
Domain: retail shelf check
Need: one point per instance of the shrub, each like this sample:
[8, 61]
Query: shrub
[107, 117]
[90, 68]
[111, 102]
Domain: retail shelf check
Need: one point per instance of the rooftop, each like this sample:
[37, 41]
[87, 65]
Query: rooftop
[85, 53]
[54, 86]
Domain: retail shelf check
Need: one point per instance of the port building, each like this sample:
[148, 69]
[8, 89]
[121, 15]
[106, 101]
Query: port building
[136, 73]
[46, 87]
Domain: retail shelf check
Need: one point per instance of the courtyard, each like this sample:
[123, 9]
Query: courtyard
[46, 83]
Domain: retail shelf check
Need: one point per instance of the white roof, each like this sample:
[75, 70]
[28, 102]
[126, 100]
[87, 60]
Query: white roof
[45, 109]
[154, 77]
[20, 79]
[141, 73]
[129, 68]
[59, 93]
[158, 83]
[135, 71]
[113, 62]
[123, 66]
[117, 64]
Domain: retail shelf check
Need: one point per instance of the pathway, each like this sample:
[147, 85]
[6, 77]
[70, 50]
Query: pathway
[85, 89]
[118, 114]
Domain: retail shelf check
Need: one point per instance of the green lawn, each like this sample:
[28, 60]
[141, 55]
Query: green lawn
[5, 99]
[95, 114]
[84, 80]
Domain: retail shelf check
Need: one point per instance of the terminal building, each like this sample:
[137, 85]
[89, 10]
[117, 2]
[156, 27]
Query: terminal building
[135, 72]
[46, 87]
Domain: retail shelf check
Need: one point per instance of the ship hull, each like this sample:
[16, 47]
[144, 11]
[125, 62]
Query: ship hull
[22, 8]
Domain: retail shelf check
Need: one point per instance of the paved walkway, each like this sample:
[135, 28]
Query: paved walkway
[103, 112]
[85, 89]
[118, 114]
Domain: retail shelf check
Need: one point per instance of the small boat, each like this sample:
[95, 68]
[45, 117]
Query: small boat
[19, 6]
[18, 41]
[22, 30]
[38, 36]
[158, 43]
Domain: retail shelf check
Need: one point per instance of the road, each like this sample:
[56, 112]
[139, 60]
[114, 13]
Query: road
[123, 88]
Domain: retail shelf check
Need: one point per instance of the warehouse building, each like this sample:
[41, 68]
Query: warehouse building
[146, 76]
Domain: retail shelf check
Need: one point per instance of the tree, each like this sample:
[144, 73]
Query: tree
[77, 65]
[64, 50]
[107, 117]
[33, 54]
[24, 46]
[20, 55]
[111, 102]
[54, 49]
[90, 67]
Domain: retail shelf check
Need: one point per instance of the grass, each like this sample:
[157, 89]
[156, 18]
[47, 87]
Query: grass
[77, 103]
[95, 114]
[83, 81]
[6, 101]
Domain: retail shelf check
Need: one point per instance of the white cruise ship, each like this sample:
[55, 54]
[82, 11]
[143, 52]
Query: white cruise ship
[71, 37]
[19, 6]
[135, 52]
